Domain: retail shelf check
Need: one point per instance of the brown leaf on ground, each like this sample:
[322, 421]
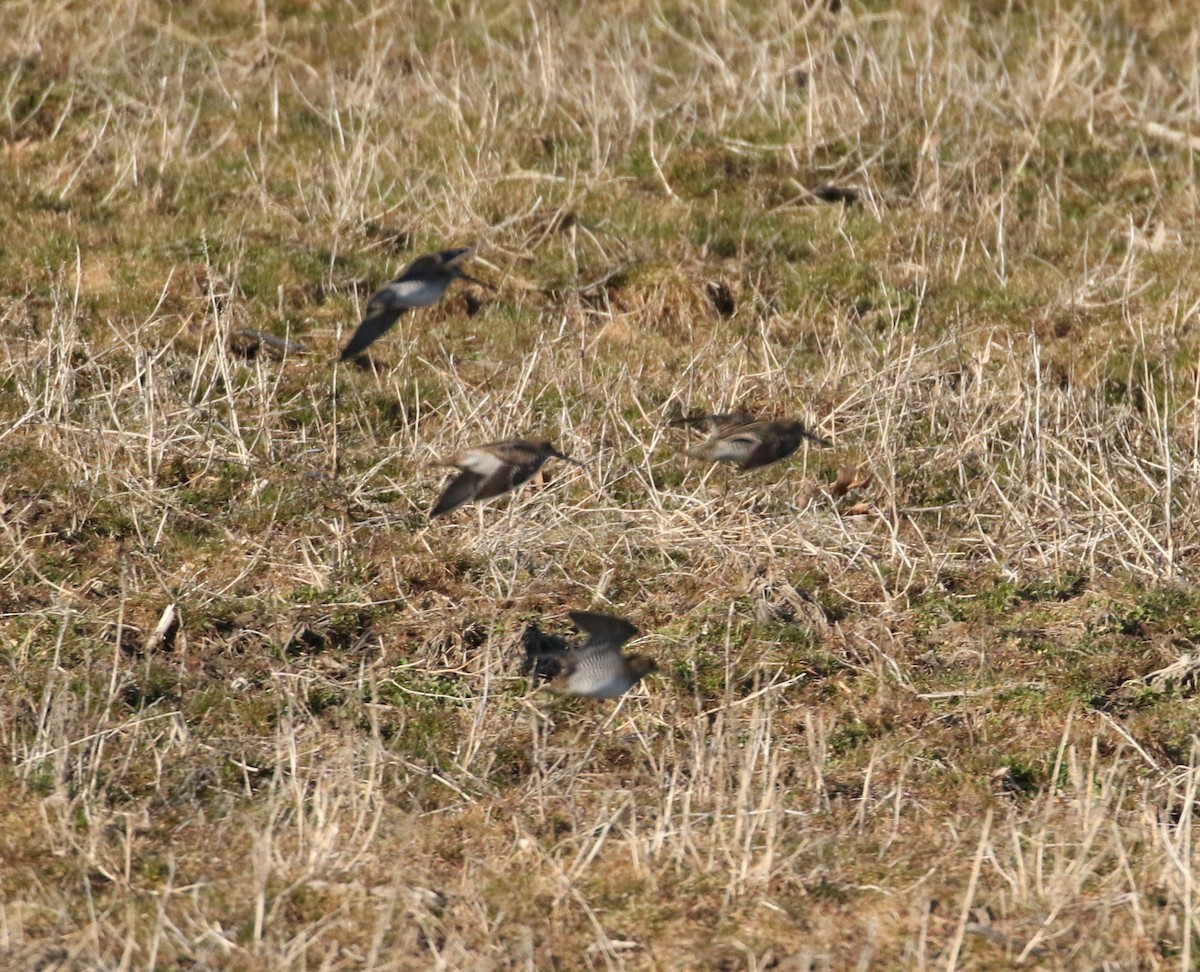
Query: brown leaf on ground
[848, 478]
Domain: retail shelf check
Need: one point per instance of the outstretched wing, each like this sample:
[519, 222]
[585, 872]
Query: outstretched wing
[545, 654]
[597, 668]
[383, 310]
[506, 477]
[778, 441]
[605, 633]
[463, 488]
[768, 450]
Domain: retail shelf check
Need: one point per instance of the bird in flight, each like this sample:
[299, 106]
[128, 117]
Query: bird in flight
[421, 283]
[740, 438]
[492, 469]
[596, 668]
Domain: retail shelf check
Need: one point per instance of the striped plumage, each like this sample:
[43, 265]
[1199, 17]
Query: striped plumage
[740, 438]
[596, 668]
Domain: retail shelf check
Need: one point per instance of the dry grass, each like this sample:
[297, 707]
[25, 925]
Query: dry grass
[257, 713]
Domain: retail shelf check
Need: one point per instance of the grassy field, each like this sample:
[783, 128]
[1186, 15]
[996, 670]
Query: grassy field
[258, 713]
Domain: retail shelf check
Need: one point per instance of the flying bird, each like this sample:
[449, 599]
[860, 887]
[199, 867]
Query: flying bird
[596, 668]
[741, 438]
[421, 283]
[492, 469]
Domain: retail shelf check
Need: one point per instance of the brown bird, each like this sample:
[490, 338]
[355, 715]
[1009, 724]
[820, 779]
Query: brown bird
[421, 283]
[492, 469]
[740, 438]
[595, 669]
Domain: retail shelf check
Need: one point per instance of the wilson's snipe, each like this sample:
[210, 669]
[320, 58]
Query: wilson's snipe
[741, 438]
[595, 669]
[492, 469]
[422, 282]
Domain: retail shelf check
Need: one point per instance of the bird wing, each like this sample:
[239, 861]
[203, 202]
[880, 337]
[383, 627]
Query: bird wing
[463, 488]
[382, 312]
[605, 633]
[544, 653]
[597, 668]
[778, 441]
[771, 448]
[504, 478]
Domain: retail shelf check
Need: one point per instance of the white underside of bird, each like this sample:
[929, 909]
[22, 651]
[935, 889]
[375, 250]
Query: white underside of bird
[480, 461]
[599, 684]
[411, 293]
[733, 448]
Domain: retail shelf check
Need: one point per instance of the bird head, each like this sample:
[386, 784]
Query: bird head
[452, 261]
[799, 428]
[546, 448]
